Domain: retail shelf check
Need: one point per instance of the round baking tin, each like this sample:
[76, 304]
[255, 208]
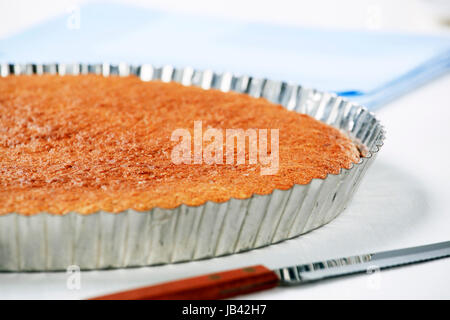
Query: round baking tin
[45, 242]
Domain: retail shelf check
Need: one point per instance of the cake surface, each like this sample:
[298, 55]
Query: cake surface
[89, 143]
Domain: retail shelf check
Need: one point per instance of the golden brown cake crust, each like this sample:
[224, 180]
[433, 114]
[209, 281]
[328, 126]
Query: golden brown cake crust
[89, 143]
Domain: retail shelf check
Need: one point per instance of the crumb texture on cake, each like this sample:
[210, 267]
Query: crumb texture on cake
[88, 143]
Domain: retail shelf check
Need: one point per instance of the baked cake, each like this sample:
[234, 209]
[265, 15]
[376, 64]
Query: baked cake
[87, 143]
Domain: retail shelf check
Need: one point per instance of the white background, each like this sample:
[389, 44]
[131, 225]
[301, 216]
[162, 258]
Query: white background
[404, 200]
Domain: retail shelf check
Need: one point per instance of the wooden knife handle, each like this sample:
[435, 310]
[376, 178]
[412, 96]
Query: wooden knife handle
[211, 286]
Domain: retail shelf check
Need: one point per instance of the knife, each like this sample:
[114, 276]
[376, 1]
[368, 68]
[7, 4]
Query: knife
[257, 278]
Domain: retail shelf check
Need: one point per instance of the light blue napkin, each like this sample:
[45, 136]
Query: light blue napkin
[371, 68]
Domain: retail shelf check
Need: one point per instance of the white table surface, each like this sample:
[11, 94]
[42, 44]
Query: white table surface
[403, 201]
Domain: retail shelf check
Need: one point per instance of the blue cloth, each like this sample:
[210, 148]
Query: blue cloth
[369, 67]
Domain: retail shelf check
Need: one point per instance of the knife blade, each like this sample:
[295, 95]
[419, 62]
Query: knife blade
[361, 264]
[232, 283]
